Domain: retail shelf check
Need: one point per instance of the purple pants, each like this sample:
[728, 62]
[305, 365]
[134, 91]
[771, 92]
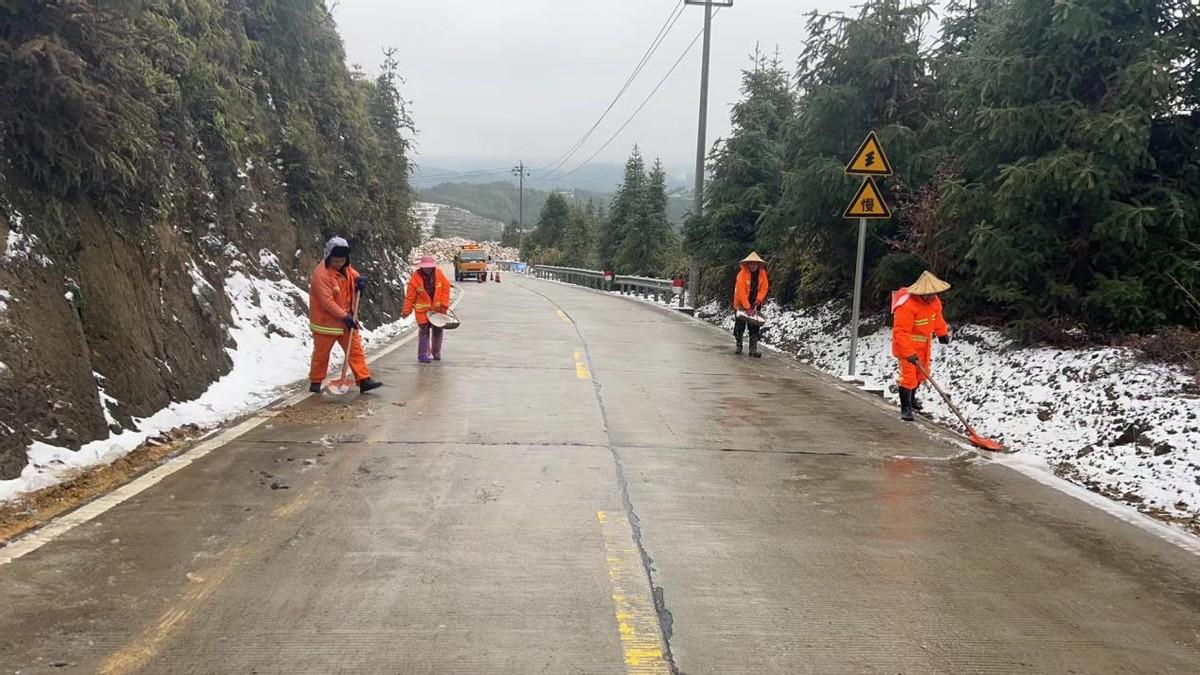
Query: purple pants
[423, 349]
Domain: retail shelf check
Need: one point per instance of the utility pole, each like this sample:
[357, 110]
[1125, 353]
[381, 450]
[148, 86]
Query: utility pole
[701, 139]
[521, 171]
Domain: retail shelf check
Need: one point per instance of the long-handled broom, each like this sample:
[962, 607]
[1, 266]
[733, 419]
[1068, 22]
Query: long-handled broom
[343, 384]
[976, 439]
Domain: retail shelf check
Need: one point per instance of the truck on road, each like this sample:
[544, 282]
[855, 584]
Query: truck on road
[470, 263]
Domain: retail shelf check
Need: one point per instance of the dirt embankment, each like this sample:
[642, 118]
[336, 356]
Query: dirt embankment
[124, 327]
[158, 159]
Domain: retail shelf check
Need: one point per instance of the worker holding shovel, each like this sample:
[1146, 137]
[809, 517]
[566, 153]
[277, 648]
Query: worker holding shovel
[917, 318]
[333, 309]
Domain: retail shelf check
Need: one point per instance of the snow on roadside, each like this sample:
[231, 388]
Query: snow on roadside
[1099, 417]
[270, 329]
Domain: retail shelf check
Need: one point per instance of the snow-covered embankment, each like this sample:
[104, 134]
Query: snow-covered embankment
[271, 356]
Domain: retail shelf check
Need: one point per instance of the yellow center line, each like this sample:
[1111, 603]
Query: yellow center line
[633, 603]
[138, 653]
[581, 369]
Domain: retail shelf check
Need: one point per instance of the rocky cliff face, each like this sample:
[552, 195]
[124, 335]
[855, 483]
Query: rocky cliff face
[252, 143]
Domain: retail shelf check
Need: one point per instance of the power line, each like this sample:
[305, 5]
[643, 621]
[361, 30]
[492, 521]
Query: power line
[663, 31]
[658, 86]
[662, 36]
[676, 13]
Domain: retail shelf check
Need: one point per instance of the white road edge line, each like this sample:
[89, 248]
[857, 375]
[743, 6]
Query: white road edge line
[56, 527]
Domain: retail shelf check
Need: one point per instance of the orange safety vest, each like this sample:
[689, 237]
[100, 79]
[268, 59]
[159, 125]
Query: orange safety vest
[418, 298]
[330, 298]
[741, 288]
[914, 323]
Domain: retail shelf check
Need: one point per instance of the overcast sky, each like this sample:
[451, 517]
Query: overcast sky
[497, 81]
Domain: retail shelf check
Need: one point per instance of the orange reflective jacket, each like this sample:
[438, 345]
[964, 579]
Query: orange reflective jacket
[741, 288]
[914, 323]
[330, 298]
[417, 299]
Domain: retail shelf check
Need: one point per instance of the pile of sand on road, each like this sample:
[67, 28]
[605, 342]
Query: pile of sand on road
[443, 250]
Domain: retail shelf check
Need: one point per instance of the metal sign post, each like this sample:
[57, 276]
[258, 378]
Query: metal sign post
[858, 276]
[867, 203]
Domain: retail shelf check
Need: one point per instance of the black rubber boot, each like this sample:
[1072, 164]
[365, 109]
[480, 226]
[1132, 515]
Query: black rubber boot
[906, 398]
[754, 349]
[916, 405]
[314, 388]
[738, 350]
[368, 384]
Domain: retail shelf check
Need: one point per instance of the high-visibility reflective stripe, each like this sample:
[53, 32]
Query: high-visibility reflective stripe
[920, 322]
[326, 330]
[919, 338]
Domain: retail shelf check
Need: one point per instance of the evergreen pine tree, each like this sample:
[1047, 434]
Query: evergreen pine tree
[854, 75]
[1078, 141]
[552, 222]
[746, 173]
[647, 246]
[626, 205]
[579, 238]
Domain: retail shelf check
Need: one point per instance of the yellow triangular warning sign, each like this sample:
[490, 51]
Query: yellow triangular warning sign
[867, 202]
[870, 160]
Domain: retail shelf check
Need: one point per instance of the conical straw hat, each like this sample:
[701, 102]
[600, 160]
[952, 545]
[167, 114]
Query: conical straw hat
[927, 284]
[753, 257]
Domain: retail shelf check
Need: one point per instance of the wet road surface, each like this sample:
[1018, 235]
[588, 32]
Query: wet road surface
[588, 484]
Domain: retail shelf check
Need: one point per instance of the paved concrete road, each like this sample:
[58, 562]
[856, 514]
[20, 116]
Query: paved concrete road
[591, 485]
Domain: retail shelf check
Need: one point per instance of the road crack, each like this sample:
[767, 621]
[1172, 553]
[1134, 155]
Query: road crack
[665, 619]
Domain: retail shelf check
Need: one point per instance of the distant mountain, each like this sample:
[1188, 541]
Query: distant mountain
[598, 177]
[601, 178]
[498, 201]
[428, 176]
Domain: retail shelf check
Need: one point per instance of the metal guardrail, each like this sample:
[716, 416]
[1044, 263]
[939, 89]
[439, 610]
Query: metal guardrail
[661, 290]
[571, 275]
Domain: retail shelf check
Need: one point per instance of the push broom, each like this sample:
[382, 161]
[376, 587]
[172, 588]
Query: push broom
[976, 440]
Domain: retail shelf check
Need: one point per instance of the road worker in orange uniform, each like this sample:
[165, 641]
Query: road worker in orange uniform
[428, 291]
[749, 294]
[916, 319]
[335, 284]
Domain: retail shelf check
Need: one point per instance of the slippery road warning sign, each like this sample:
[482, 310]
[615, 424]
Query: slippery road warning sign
[870, 160]
[867, 202]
